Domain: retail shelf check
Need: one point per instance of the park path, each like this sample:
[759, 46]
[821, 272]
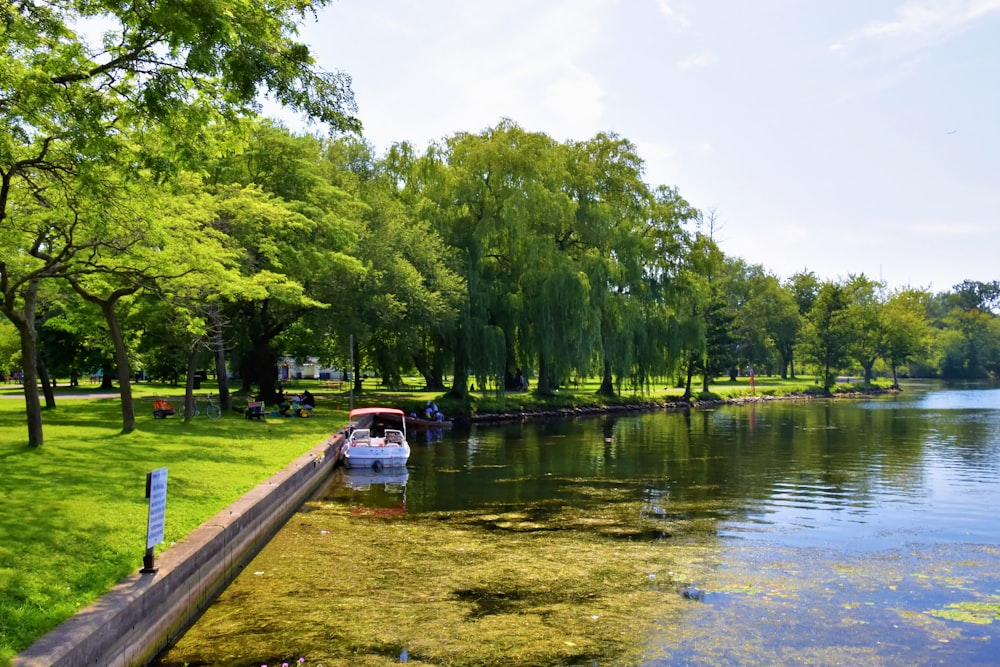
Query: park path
[114, 394]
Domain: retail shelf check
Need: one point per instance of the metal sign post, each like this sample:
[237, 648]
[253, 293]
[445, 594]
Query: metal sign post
[156, 491]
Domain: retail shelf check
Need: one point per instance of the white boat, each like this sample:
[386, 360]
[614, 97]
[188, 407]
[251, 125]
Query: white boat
[377, 446]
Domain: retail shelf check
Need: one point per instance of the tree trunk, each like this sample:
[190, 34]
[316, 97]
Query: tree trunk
[432, 376]
[460, 385]
[31, 398]
[246, 375]
[121, 362]
[868, 371]
[356, 358]
[225, 400]
[543, 383]
[607, 387]
[43, 379]
[192, 368]
[260, 366]
[25, 323]
[265, 371]
[687, 383]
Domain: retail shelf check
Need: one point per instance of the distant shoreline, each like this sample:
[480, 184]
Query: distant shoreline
[670, 405]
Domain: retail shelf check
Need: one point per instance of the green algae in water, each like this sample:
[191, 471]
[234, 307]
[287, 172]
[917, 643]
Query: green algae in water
[551, 584]
[480, 588]
[977, 612]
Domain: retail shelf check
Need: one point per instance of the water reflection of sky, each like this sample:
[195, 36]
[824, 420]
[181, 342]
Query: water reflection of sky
[949, 495]
[960, 399]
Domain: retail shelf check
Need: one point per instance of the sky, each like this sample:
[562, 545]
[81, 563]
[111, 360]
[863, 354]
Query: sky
[838, 136]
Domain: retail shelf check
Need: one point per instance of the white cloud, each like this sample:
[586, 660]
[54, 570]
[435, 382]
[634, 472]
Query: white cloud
[535, 72]
[926, 22]
[950, 229]
[672, 15]
[697, 61]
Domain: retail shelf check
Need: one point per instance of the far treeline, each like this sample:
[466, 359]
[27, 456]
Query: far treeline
[151, 220]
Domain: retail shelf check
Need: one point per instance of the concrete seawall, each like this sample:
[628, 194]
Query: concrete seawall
[144, 613]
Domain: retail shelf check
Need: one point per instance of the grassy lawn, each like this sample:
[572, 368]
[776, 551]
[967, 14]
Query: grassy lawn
[73, 512]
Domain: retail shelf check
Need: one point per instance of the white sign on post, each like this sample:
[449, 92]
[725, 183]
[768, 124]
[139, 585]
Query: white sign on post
[157, 507]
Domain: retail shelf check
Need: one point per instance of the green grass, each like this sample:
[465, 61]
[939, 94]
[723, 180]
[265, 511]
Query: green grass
[73, 511]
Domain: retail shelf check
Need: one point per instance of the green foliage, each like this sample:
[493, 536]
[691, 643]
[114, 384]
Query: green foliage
[906, 326]
[828, 333]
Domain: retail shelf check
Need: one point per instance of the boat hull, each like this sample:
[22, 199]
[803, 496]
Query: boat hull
[375, 458]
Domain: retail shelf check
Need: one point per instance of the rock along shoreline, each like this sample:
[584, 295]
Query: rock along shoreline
[677, 405]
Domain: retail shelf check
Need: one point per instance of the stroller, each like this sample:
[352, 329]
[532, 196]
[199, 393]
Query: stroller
[162, 409]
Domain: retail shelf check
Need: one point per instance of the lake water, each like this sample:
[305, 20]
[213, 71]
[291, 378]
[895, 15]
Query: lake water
[858, 531]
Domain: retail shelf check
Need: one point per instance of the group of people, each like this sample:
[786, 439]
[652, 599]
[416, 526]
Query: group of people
[431, 412]
[300, 405]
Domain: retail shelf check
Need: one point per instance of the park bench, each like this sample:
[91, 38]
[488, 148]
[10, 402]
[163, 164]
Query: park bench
[255, 410]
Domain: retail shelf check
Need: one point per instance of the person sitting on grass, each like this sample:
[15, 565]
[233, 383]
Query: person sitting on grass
[307, 403]
[283, 405]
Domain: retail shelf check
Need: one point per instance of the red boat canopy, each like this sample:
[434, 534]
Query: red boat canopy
[359, 412]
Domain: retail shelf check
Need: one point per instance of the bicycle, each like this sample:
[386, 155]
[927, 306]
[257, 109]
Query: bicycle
[212, 410]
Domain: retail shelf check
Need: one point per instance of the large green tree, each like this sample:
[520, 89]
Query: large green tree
[66, 93]
[69, 101]
[827, 334]
[906, 327]
[866, 321]
[804, 288]
[627, 240]
[497, 207]
[768, 322]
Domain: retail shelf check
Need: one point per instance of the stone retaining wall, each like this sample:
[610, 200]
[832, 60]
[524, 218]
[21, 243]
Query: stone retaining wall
[144, 613]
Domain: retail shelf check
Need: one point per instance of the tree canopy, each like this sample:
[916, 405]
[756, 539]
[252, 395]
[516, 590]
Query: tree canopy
[150, 220]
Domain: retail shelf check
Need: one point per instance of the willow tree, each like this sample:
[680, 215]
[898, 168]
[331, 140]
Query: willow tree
[510, 217]
[474, 181]
[566, 254]
[605, 238]
[628, 238]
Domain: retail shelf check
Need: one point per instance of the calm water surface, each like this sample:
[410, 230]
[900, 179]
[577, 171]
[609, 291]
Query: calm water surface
[821, 532]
